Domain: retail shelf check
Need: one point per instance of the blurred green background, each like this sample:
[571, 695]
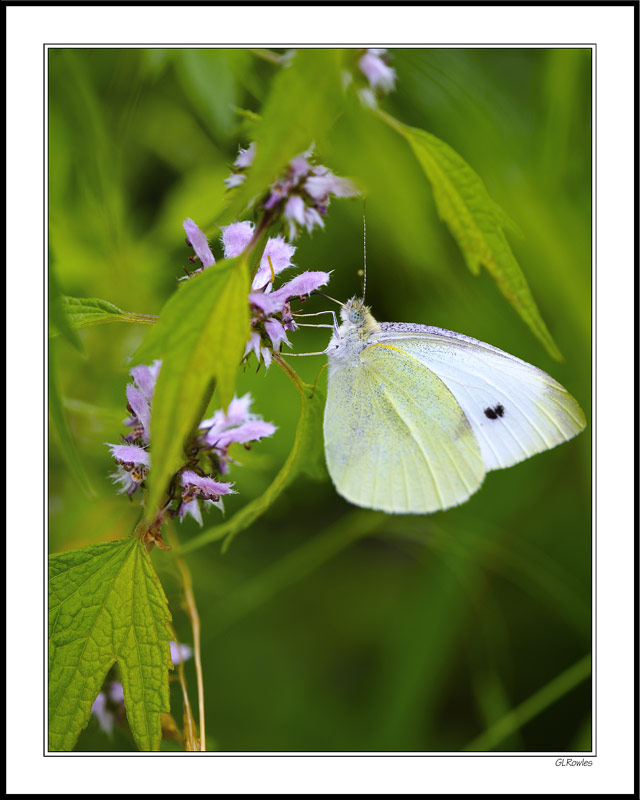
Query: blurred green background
[326, 627]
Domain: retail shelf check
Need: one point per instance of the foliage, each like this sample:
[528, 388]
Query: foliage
[106, 604]
[329, 628]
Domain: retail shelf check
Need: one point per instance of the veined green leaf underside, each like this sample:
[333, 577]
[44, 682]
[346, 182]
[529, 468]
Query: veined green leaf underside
[304, 457]
[305, 99]
[200, 336]
[106, 604]
[475, 221]
[82, 312]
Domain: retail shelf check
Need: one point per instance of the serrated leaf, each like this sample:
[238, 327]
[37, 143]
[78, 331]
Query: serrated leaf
[200, 336]
[106, 604]
[305, 98]
[81, 312]
[306, 451]
[475, 221]
[60, 425]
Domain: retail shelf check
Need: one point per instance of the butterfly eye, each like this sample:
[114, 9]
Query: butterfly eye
[355, 316]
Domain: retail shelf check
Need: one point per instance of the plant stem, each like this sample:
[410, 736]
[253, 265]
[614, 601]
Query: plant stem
[534, 705]
[192, 612]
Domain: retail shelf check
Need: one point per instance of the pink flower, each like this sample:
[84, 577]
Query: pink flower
[277, 257]
[236, 237]
[139, 396]
[197, 240]
[276, 332]
[200, 487]
[180, 652]
[235, 179]
[130, 454]
[237, 424]
[323, 183]
[376, 71]
[132, 466]
[245, 157]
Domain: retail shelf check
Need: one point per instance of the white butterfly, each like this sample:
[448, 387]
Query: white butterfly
[416, 415]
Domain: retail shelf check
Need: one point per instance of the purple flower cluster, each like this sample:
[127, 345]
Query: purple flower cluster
[271, 310]
[301, 195]
[132, 456]
[210, 448]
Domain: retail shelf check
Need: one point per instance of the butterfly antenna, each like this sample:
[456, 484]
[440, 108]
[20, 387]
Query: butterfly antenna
[364, 247]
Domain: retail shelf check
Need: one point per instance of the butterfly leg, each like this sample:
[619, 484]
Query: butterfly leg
[318, 313]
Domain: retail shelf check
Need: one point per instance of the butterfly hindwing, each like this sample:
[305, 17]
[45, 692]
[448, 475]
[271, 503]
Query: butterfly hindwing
[395, 437]
[514, 409]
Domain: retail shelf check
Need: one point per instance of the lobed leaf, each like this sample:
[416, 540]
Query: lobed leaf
[200, 336]
[305, 98]
[303, 458]
[475, 221]
[106, 604]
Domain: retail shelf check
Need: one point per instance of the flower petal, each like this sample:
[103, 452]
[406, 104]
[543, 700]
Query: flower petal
[105, 716]
[320, 186]
[235, 179]
[245, 157]
[238, 410]
[207, 486]
[193, 509]
[199, 242]
[251, 431]
[180, 652]
[377, 72]
[130, 454]
[140, 407]
[304, 283]
[236, 237]
[145, 377]
[280, 253]
[276, 332]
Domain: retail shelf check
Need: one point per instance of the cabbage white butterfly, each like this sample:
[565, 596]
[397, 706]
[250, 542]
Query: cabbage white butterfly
[416, 416]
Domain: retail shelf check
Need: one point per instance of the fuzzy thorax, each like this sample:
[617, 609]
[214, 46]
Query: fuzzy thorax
[357, 329]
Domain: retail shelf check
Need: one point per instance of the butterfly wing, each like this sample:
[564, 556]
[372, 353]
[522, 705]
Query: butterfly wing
[395, 437]
[514, 408]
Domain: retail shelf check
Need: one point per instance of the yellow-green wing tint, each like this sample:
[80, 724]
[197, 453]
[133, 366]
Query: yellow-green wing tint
[514, 408]
[395, 437]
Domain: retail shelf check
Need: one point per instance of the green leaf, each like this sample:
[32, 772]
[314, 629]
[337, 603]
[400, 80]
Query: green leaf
[106, 604]
[303, 458]
[58, 320]
[304, 101]
[60, 425]
[81, 312]
[210, 78]
[475, 221]
[200, 336]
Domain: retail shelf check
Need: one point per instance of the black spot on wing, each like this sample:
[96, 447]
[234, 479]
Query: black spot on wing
[495, 412]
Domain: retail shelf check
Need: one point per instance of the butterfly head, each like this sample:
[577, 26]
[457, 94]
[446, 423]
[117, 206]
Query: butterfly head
[355, 312]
